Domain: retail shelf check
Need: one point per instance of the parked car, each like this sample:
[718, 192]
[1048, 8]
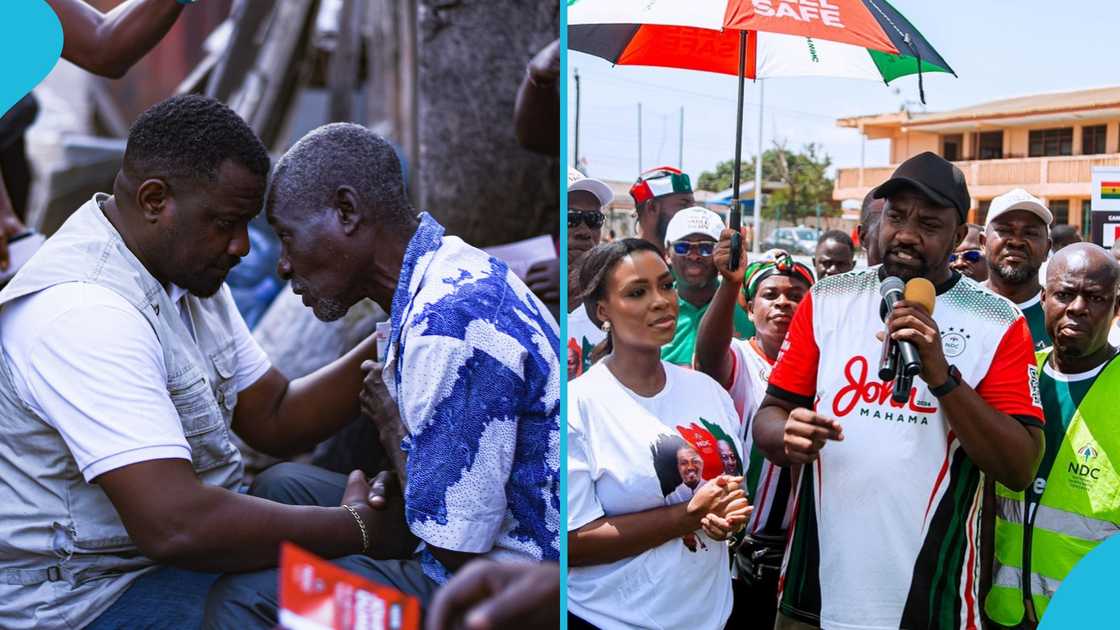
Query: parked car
[795, 240]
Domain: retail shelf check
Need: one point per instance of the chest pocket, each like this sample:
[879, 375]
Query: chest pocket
[204, 408]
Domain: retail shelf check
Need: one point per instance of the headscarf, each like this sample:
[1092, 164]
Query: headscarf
[781, 264]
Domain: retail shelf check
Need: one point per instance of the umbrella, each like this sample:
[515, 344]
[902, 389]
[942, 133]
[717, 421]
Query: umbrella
[865, 39]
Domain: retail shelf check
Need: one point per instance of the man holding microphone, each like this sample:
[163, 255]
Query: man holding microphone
[887, 519]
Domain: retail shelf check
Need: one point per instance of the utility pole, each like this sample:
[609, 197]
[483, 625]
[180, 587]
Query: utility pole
[680, 151]
[575, 153]
[639, 137]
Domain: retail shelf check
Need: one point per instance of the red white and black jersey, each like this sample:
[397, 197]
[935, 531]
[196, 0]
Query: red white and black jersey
[887, 522]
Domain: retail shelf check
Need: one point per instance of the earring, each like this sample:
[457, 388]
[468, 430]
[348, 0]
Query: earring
[607, 327]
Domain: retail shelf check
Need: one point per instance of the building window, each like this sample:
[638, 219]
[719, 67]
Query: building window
[1044, 142]
[1060, 209]
[982, 212]
[952, 147]
[1086, 218]
[990, 145]
[1092, 140]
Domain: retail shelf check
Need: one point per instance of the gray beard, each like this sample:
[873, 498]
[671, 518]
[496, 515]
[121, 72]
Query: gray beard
[1014, 275]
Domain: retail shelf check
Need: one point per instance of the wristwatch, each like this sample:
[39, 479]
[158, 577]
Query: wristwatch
[949, 385]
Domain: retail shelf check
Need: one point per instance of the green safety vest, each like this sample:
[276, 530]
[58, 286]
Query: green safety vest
[1078, 509]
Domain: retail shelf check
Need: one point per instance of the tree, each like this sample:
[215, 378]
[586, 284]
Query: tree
[804, 173]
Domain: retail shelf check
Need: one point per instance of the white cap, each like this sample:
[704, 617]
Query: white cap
[694, 220]
[577, 181]
[1019, 199]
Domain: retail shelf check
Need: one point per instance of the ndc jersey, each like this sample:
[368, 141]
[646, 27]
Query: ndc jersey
[887, 521]
[769, 487]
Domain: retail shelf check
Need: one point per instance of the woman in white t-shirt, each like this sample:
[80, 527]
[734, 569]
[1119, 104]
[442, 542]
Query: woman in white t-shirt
[649, 505]
[773, 288]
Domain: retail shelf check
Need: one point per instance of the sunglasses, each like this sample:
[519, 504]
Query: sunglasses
[970, 256]
[704, 248]
[593, 218]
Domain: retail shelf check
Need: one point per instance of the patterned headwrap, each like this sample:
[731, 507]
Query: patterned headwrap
[658, 182]
[781, 264]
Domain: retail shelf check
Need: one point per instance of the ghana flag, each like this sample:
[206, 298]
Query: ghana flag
[1110, 190]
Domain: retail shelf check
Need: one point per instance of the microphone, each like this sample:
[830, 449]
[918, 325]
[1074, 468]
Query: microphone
[892, 291]
[900, 360]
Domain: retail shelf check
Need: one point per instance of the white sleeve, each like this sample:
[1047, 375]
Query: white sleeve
[252, 362]
[583, 505]
[107, 399]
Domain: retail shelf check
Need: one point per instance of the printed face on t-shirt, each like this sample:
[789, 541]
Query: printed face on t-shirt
[690, 466]
[727, 456]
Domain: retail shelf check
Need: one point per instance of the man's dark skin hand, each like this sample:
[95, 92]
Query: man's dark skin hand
[536, 114]
[543, 279]
[176, 519]
[378, 405]
[487, 595]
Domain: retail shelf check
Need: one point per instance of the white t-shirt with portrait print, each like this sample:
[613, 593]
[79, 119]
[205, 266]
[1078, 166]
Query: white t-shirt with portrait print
[627, 454]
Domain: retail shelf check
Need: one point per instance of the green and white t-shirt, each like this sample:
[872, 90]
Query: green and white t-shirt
[679, 351]
[1036, 321]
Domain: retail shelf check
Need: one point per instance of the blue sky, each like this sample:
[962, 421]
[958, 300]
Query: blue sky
[999, 49]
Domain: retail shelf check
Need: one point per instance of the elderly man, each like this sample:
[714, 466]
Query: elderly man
[690, 241]
[1072, 505]
[971, 412]
[586, 198]
[1016, 242]
[472, 367]
[659, 194]
[126, 366]
[968, 257]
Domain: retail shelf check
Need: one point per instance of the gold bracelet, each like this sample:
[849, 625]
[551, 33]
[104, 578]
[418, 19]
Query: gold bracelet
[361, 526]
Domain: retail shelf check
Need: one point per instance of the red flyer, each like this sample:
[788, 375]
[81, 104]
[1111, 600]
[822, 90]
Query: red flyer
[317, 595]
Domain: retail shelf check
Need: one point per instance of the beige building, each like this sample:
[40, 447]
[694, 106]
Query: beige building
[1046, 144]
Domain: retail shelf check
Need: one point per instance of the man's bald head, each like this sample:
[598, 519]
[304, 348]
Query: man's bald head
[1080, 302]
[1085, 259]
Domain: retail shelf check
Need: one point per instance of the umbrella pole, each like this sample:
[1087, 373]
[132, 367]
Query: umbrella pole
[735, 217]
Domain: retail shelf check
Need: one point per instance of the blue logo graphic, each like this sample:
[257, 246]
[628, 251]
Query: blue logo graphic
[30, 44]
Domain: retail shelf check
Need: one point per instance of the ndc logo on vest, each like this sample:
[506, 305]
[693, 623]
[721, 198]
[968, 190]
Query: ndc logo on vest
[1085, 469]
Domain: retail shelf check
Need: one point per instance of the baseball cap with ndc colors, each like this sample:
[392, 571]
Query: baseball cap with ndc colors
[658, 182]
[935, 177]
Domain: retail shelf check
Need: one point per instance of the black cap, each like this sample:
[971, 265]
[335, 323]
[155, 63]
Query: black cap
[933, 176]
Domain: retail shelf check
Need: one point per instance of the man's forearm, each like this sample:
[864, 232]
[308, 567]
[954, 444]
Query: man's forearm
[769, 432]
[109, 44]
[1000, 445]
[318, 405]
[713, 338]
[220, 530]
[536, 115]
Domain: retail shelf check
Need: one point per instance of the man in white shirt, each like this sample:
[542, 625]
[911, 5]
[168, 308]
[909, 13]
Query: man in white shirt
[586, 199]
[126, 365]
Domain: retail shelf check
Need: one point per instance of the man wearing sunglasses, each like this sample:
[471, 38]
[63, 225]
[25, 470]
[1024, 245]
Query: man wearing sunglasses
[690, 239]
[586, 198]
[968, 257]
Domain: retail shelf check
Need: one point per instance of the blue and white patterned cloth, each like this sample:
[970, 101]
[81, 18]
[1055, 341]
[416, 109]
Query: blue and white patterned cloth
[474, 367]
